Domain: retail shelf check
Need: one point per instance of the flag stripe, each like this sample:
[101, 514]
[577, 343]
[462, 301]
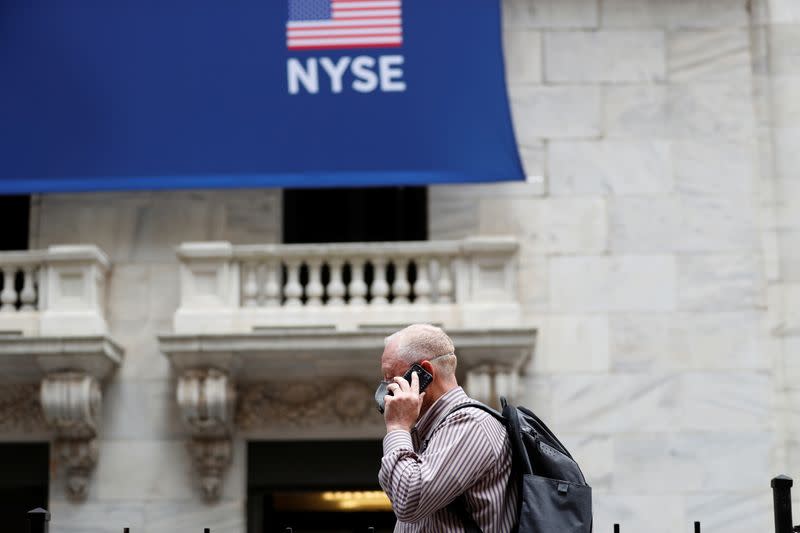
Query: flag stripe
[365, 13]
[348, 40]
[342, 23]
[393, 30]
[343, 46]
[366, 4]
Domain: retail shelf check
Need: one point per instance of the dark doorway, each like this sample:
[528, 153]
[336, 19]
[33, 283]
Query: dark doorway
[355, 215]
[24, 477]
[315, 486]
[14, 220]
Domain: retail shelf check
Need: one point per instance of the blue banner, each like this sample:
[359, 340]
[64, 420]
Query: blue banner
[165, 94]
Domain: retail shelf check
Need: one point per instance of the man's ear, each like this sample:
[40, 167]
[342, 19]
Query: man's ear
[428, 366]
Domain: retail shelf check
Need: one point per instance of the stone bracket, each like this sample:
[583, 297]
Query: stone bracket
[206, 397]
[71, 404]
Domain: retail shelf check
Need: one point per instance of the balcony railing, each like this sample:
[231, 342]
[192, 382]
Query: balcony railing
[58, 291]
[227, 288]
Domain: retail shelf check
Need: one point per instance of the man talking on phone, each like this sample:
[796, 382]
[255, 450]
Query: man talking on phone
[441, 473]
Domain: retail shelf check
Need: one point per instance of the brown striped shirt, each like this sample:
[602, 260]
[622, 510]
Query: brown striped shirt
[468, 454]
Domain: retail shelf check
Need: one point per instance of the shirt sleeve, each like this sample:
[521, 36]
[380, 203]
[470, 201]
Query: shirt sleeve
[418, 485]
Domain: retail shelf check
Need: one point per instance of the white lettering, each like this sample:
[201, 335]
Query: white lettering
[363, 76]
[391, 77]
[366, 80]
[307, 76]
[335, 72]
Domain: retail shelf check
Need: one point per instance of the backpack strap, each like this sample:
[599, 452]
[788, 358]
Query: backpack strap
[459, 506]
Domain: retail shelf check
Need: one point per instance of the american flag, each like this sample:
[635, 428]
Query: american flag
[329, 24]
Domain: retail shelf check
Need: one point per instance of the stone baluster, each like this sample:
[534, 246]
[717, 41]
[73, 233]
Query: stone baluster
[314, 289]
[358, 287]
[444, 285]
[272, 286]
[250, 288]
[9, 295]
[28, 294]
[380, 287]
[401, 288]
[293, 290]
[336, 288]
[422, 286]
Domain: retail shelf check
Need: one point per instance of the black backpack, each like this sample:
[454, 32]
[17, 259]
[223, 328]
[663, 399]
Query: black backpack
[553, 494]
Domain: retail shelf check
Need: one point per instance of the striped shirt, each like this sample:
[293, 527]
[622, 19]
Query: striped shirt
[468, 453]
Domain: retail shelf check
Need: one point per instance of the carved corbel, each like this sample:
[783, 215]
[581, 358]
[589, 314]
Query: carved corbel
[207, 398]
[486, 383]
[71, 405]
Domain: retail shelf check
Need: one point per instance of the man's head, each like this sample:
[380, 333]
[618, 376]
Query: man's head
[430, 347]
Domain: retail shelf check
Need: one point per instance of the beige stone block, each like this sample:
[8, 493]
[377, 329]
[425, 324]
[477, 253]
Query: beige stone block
[451, 216]
[640, 112]
[715, 167]
[718, 224]
[784, 49]
[595, 454]
[699, 461]
[673, 14]
[784, 11]
[143, 358]
[739, 512]
[141, 410]
[787, 152]
[609, 167]
[172, 517]
[720, 54]
[550, 13]
[789, 260]
[144, 470]
[718, 282]
[248, 216]
[94, 517]
[661, 341]
[532, 283]
[784, 308]
[635, 511]
[711, 110]
[786, 104]
[604, 56]
[129, 292]
[534, 392]
[619, 283]
[787, 203]
[551, 225]
[573, 343]
[616, 403]
[555, 112]
[642, 224]
[523, 55]
[164, 288]
[726, 401]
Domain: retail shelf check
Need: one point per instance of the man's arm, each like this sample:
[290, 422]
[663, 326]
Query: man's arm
[457, 455]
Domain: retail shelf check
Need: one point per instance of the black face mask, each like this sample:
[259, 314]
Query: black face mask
[424, 376]
[380, 395]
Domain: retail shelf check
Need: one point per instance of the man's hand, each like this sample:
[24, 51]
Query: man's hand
[402, 409]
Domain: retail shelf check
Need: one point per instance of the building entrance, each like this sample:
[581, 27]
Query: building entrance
[316, 487]
[24, 476]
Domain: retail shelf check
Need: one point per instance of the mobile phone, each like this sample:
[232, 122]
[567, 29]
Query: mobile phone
[425, 377]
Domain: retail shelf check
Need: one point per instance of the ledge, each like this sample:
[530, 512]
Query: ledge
[29, 359]
[307, 353]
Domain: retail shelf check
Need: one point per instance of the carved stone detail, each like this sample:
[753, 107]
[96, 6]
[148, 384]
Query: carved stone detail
[71, 405]
[20, 409]
[303, 404]
[486, 383]
[207, 398]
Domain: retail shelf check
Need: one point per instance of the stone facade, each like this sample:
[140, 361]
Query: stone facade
[659, 232]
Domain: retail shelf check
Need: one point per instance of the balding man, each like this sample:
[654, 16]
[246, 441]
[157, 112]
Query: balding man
[429, 461]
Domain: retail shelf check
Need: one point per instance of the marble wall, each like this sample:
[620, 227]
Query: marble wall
[659, 260]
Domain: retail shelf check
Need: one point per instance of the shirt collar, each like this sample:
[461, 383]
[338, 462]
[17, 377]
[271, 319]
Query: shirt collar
[439, 408]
